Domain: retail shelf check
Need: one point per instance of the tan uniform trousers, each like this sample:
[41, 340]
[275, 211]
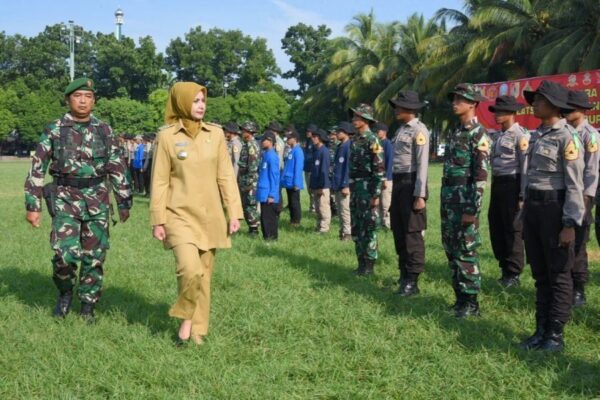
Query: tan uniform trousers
[194, 271]
[343, 203]
[385, 200]
[323, 209]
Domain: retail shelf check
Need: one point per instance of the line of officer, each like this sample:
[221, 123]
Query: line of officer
[509, 162]
[553, 207]
[409, 190]
[589, 137]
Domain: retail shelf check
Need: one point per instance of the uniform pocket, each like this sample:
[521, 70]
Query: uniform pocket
[546, 158]
[417, 221]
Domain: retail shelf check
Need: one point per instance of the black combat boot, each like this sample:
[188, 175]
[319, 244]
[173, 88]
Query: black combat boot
[579, 299]
[457, 293]
[87, 312]
[509, 281]
[534, 341]
[63, 304]
[365, 267]
[468, 307]
[408, 286]
[553, 338]
[253, 231]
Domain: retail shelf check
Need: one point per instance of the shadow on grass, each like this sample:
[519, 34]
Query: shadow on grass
[476, 335]
[37, 290]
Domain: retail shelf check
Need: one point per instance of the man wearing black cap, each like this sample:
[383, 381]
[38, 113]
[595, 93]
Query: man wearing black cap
[319, 181]
[381, 130]
[309, 154]
[83, 157]
[291, 177]
[340, 184]
[553, 207]
[367, 172]
[589, 137]
[410, 163]
[463, 183]
[509, 162]
[267, 190]
[234, 144]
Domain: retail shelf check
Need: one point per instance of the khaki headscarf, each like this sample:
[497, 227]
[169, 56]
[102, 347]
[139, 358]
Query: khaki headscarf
[179, 106]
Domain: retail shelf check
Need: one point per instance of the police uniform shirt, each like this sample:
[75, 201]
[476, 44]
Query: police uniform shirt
[411, 153]
[555, 162]
[509, 152]
[589, 139]
[235, 148]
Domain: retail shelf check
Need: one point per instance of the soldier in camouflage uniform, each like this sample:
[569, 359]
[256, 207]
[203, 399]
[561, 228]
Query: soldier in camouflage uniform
[85, 161]
[465, 175]
[234, 144]
[248, 176]
[367, 172]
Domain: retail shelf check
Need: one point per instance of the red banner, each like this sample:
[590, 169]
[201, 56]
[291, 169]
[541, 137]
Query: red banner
[588, 81]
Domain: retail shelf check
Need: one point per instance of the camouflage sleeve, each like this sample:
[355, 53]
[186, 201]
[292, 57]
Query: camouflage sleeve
[479, 172]
[377, 168]
[35, 179]
[118, 174]
[253, 164]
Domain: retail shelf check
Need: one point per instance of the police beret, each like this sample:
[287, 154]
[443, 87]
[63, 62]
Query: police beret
[80, 84]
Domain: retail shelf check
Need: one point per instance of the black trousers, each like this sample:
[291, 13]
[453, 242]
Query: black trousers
[551, 265]
[138, 180]
[294, 205]
[148, 177]
[269, 220]
[505, 231]
[407, 226]
[580, 272]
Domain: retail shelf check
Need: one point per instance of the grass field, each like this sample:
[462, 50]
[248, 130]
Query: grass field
[289, 321]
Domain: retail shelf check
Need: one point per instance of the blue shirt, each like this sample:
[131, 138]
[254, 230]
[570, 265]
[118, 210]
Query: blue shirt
[268, 177]
[138, 157]
[388, 161]
[319, 174]
[292, 169]
[341, 167]
[309, 155]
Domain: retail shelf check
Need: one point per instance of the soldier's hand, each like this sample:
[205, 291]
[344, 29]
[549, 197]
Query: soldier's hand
[234, 226]
[375, 202]
[566, 237]
[34, 218]
[159, 233]
[467, 219]
[123, 214]
[419, 204]
[345, 191]
[587, 201]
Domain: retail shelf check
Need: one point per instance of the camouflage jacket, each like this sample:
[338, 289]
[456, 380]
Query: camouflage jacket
[333, 146]
[80, 151]
[248, 165]
[366, 162]
[467, 154]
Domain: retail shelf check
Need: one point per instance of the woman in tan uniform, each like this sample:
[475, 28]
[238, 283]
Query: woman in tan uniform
[195, 204]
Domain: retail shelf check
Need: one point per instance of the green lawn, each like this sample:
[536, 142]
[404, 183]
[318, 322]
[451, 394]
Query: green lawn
[289, 320]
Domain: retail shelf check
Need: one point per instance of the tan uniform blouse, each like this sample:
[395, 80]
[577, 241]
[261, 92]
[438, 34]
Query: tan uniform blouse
[194, 187]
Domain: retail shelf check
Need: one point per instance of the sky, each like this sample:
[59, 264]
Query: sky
[167, 20]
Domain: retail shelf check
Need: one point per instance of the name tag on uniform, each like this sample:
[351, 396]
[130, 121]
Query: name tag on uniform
[341, 160]
[181, 144]
[265, 165]
[317, 162]
[290, 157]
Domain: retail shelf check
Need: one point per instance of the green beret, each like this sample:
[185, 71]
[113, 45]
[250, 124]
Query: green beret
[80, 84]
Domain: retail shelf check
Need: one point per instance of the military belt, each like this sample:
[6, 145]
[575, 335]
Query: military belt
[404, 178]
[502, 179]
[457, 181]
[545, 195]
[79, 183]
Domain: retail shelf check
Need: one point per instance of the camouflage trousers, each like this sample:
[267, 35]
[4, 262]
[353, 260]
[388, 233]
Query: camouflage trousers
[460, 244]
[250, 206]
[75, 240]
[363, 219]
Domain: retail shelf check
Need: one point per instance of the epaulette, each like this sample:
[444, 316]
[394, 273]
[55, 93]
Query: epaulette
[162, 128]
[214, 124]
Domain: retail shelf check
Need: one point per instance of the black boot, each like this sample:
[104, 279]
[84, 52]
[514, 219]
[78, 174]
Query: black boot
[408, 286]
[553, 338]
[87, 312]
[361, 267]
[457, 293]
[63, 304]
[535, 341]
[365, 267]
[509, 281]
[579, 299]
[468, 307]
[253, 231]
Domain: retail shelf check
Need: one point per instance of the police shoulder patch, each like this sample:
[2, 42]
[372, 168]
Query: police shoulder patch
[591, 147]
[420, 139]
[236, 149]
[571, 151]
[524, 144]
